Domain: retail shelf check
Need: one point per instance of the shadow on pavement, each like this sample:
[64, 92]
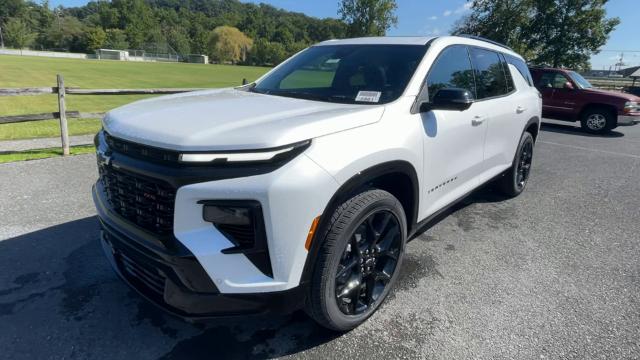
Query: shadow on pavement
[484, 195]
[59, 298]
[573, 130]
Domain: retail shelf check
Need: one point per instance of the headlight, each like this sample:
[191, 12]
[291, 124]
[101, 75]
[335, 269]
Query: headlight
[268, 155]
[630, 106]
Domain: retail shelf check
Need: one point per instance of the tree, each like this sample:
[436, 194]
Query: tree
[136, 19]
[96, 38]
[368, 17]
[178, 39]
[568, 32]
[182, 25]
[17, 34]
[558, 33]
[65, 32]
[10, 8]
[116, 39]
[504, 21]
[267, 53]
[228, 44]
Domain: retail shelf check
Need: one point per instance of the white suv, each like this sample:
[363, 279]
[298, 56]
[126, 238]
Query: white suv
[301, 190]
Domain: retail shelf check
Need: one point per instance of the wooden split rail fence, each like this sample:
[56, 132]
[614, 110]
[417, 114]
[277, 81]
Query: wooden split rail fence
[62, 115]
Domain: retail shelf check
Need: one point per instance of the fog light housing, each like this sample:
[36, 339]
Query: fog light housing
[227, 215]
[242, 223]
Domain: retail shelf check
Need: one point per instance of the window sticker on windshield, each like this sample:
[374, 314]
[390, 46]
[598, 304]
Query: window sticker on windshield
[368, 96]
[333, 61]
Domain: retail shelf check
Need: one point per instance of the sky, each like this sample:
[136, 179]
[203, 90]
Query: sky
[436, 17]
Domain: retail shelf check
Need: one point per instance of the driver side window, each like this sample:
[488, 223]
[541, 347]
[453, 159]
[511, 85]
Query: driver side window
[552, 80]
[452, 69]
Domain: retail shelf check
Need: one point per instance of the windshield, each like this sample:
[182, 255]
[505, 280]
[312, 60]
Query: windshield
[352, 74]
[582, 82]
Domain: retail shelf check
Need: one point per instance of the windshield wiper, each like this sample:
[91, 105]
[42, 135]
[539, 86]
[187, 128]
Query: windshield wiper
[344, 99]
[299, 95]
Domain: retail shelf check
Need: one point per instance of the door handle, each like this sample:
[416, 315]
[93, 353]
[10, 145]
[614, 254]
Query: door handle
[520, 109]
[477, 120]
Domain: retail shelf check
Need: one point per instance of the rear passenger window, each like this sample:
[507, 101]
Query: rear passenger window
[451, 69]
[507, 74]
[522, 67]
[491, 80]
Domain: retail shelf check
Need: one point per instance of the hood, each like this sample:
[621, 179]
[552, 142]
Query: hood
[619, 95]
[231, 119]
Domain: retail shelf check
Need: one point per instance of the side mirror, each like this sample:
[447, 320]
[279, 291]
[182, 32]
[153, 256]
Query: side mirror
[449, 99]
[568, 85]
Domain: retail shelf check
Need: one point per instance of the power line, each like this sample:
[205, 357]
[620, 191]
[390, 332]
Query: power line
[638, 51]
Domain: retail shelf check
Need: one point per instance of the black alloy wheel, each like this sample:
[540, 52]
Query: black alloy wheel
[360, 253]
[368, 263]
[515, 178]
[524, 165]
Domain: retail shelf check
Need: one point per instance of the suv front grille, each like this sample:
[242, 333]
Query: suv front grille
[147, 202]
[139, 151]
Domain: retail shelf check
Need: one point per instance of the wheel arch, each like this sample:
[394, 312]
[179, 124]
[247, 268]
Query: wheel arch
[533, 127]
[396, 177]
[589, 106]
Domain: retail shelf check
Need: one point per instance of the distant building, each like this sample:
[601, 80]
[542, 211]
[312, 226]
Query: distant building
[631, 72]
[111, 54]
[599, 73]
[197, 59]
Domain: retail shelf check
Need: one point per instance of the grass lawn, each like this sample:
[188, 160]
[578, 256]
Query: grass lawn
[25, 71]
[6, 157]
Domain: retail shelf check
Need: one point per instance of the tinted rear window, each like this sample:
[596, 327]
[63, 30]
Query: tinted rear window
[491, 80]
[522, 68]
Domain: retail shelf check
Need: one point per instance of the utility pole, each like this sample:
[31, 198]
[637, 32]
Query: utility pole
[620, 63]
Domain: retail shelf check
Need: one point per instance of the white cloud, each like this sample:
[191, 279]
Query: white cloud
[433, 17]
[459, 10]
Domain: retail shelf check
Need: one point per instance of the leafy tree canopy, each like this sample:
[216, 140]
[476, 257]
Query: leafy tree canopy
[180, 26]
[368, 17]
[17, 33]
[558, 33]
[228, 44]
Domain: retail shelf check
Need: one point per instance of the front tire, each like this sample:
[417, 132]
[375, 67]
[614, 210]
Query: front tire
[359, 260]
[597, 120]
[514, 180]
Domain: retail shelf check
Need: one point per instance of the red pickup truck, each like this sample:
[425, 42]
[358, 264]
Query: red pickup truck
[567, 96]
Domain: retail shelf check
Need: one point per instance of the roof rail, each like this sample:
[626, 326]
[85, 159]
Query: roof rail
[485, 40]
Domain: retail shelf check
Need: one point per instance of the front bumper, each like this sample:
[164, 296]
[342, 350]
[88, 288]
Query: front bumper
[157, 239]
[172, 278]
[629, 119]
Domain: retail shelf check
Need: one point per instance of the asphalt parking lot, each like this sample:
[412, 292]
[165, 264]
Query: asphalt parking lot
[554, 273]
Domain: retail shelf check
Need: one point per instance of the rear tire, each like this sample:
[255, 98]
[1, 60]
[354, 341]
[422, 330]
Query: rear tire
[359, 260]
[513, 181]
[598, 120]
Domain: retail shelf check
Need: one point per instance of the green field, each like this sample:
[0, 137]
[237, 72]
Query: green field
[23, 71]
[43, 153]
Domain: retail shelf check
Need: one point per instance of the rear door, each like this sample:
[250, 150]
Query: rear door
[501, 107]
